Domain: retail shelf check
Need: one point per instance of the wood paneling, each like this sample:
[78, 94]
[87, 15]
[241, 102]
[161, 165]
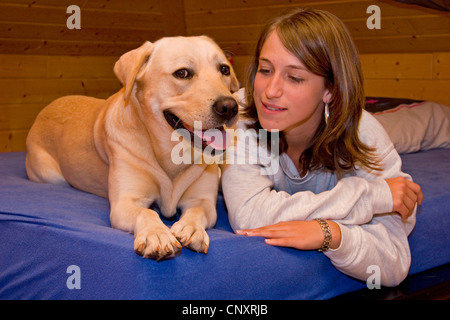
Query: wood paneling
[107, 27]
[441, 66]
[45, 90]
[30, 82]
[113, 27]
[424, 76]
[12, 140]
[406, 88]
[41, 59]
[413, 66]
[235, 24]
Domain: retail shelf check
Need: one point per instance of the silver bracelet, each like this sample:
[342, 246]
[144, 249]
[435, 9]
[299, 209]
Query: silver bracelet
[326, 235]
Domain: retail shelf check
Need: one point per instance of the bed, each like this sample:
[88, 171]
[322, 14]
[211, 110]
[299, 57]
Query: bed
[56, 242]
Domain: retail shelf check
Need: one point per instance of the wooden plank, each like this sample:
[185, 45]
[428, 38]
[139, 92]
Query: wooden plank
[16, 91]
[11, 141]
[229, 33]
[404, 44]
[235, 24]
[53, 3]
[31, 28]
[173, 18]
[13, 30]
[80, 67]
[243, 15]
[395, 26]
[232, 18]
[345, 9]
[434, 90]
[123, 6]
[36, 66]
[432, 25]
[55, 47]
[19, 116]
[89, 17]
[240, 66]
[441, 66]
[238, 48]
[107, 5]
[397, 66]
[21, 66]
[210, 5]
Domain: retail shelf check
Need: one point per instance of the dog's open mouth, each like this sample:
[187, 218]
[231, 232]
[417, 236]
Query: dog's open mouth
[216, 138]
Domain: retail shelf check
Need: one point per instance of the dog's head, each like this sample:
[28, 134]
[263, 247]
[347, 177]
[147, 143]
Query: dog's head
[181, 83]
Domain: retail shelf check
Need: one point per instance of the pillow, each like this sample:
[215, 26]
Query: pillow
[417, 126]
[377, 104]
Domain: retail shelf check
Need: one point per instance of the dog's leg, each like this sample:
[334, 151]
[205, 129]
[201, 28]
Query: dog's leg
[152, 238]
[42, 167]
[190, 230]
[198, 205]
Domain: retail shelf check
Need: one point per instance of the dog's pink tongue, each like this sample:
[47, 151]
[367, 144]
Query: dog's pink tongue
[218, 139]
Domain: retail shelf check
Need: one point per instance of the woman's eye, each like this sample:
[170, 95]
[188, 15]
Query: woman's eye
[263, 71]
[183, 74]
[225, 70]
[296, 79]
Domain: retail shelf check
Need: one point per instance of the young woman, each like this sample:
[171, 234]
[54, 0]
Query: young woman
[339, 184]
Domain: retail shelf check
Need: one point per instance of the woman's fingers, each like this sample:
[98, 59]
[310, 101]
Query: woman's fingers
[303, 235]
[275, 230]
[282, 242]
[405, 195]
[417, 191]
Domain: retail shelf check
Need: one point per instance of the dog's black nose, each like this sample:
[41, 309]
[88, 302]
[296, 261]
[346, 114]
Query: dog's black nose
[225, 108]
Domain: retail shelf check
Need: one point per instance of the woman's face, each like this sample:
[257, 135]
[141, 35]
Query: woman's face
[287, 96]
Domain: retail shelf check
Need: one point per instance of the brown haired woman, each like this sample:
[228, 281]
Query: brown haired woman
[339, 185]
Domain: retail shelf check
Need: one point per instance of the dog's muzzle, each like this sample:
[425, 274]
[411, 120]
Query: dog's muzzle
[224, 110]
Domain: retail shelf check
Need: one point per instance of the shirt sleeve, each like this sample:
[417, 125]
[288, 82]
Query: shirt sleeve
[383, 241]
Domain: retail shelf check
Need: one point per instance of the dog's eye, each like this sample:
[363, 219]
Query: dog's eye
[225, 70]
[183, 74]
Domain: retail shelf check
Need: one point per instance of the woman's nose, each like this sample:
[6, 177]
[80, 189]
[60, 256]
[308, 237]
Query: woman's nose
[274, 88]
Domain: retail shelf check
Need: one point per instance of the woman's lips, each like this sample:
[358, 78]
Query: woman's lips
[271, 108]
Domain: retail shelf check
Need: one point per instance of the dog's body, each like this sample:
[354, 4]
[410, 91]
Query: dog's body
[120, 148]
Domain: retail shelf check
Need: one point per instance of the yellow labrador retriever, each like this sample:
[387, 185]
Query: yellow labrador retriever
[121, 148]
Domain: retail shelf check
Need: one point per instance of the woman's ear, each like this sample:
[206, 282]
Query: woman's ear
[327, 96]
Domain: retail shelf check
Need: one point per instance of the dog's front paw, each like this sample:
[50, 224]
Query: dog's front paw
[191, 235]
[156, 242]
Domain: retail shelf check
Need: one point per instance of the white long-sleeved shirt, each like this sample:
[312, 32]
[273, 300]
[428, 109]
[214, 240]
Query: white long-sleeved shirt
[261, 188]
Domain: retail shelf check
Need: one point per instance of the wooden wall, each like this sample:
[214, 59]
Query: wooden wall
[41, 59]
[408, 57]
[422, 76]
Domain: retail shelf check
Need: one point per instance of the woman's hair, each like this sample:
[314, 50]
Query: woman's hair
[322, 43]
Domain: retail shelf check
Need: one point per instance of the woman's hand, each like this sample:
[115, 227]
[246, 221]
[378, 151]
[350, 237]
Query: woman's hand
[405, 195]
[302, 235]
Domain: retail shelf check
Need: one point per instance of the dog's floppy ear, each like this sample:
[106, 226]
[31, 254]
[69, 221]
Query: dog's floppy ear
[129, 64]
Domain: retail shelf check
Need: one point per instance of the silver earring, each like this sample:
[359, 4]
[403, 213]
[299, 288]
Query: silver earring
[327, 113]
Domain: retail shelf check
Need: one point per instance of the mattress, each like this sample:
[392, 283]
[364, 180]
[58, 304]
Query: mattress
[56, 243]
